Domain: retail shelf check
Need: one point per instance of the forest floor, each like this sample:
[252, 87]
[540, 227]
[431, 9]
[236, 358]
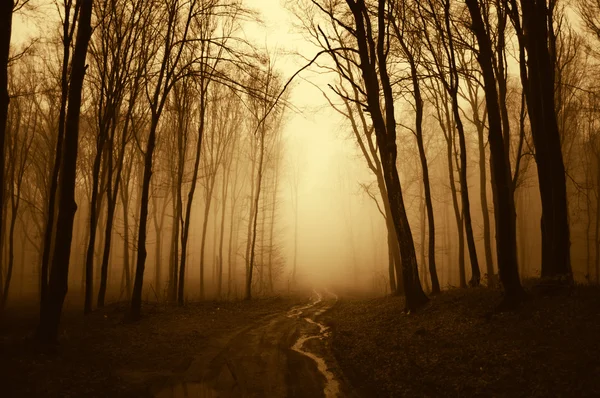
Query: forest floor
[456, 347]
[100, 355]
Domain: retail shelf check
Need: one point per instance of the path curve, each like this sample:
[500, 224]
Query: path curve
[285, 355]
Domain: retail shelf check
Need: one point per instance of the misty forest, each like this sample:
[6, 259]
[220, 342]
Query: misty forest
[312, 198]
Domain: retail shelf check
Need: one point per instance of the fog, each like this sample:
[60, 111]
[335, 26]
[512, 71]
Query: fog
[337, 236]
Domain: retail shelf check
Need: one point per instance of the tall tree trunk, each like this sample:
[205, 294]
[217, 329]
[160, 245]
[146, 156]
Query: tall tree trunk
[372, 54]
[6, 13]
[11, 246]
[464, 194]
[273, 215]
[136, 295]
[126, 269]
[487, 239]
[537, 21]
[95, 210]
[188, 212]
[50, 228]
[57, 288]
[250, 216]
[226, 172]
[506, 237]
[254, 218]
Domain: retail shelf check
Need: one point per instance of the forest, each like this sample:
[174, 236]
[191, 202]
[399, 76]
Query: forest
[218, 182]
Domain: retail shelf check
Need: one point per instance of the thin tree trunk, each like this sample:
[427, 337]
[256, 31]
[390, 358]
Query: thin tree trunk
[226, 172]
[95, 209]
[249, 271]
[188, 212]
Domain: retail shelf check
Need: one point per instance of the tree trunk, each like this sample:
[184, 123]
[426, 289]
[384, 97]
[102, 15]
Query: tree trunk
[6, 13]
[57, 288]
[556, 262]
[259, 176]
[188, 212]
[487, 239]
[506, 237]
[95, 209]
[226, 172]
[136, 296]
[385, 131]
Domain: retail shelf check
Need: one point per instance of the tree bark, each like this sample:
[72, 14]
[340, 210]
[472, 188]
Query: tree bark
[57, 288]
[6, 13]
[506, 236]
[374, 71]
[556, 261]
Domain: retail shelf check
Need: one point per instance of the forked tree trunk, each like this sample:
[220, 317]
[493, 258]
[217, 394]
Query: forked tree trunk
[372, 54]
[539, 89]
[57, 288]
[506, 236]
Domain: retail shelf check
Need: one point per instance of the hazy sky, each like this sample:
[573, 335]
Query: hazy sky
[331, 207]
[318, 139]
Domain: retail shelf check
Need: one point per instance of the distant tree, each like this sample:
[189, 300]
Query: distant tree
[166, 68]
[266, 85]
[23, 121]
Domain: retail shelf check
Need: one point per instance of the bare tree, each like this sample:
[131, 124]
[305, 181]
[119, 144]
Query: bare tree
[168, 59]
[536, 18]
[439, 16]
[506, 236]
[57, 288]
[6, 12]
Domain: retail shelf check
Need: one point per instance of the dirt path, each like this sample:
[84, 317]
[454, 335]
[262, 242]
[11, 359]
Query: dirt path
[285, 355]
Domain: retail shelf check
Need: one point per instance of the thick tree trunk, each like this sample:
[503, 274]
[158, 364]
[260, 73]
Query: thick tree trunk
[49, 231]
[6, 13]
[556, 262]
[11, 250]
[372, 54]
[506, 237]
[57, 288]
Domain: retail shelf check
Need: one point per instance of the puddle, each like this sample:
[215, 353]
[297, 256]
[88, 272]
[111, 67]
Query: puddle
[192, 390]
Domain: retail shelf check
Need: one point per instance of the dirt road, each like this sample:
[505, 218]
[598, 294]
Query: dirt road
[285, 355]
